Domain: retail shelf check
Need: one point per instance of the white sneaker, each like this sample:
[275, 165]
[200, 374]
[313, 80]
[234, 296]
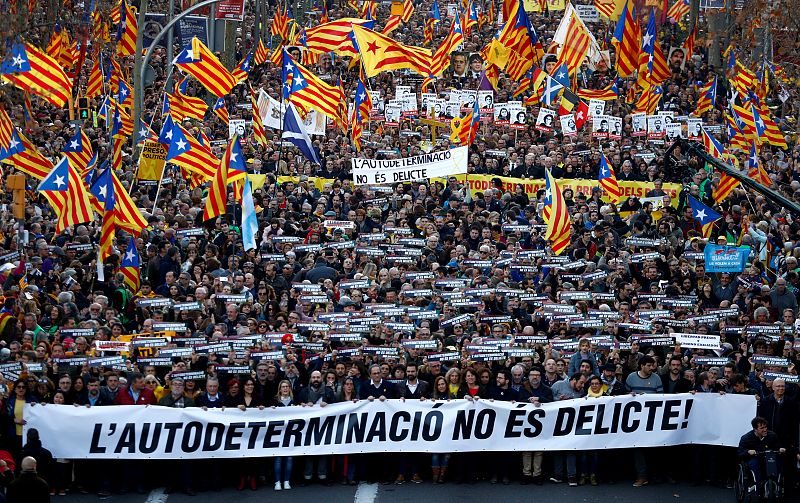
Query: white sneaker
[286, 485]
[277, 486]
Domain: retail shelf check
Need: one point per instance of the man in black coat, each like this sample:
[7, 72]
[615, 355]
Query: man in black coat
[414, 387]
[755, 442]
[376, 387]
[673, 381]
[29, 487]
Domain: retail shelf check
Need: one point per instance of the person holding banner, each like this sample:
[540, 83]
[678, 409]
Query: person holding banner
[283, 464]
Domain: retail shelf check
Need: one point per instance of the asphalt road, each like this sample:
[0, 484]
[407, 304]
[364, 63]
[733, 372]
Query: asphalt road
[413, 493]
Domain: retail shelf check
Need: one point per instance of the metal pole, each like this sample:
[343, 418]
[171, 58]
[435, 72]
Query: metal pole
[695, 149]
[170, 45]
[142, 66]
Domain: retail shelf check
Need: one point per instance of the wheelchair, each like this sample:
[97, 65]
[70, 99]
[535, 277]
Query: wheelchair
[771, 487]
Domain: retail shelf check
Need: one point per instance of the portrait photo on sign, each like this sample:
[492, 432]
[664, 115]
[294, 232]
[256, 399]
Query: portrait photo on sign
[639, 124]
[600, 126]
[424, 99]
[677, 58]
[502, 113]
[694, 129]
[458, 65]
[486, 101]
[475, 65]
[568, 127]
[655, 126]
[674, 131]
[614, 127]
[468, 98]
[392, 114]
[518, 116]
[545, 119]
[596, 108]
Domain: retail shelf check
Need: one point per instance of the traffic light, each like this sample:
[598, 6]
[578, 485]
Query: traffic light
[83, 108]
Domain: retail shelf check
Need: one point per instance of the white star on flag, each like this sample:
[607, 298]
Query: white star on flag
[700, 215]
[234, 155]
[73, 144]
[129, 256]
[59, 181]
[18, 61]
[646, 39]
[181, 144]
[104, 191]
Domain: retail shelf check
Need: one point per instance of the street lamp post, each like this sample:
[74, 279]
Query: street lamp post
[140, 71]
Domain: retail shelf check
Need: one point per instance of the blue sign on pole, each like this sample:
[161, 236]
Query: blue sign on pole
[726, 258]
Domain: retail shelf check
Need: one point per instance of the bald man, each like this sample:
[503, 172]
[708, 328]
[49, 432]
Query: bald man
[29, 487]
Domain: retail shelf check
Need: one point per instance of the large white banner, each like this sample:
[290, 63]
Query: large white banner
[138, 432]
[408, 169]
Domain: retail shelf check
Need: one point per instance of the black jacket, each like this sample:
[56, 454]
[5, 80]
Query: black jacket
[386, 389]
[682, 386]
[423, 390]
[28, 488]
[750, 442]
[782, 418]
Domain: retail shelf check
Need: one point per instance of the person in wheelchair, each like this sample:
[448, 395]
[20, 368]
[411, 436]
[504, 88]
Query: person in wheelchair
[756, 442]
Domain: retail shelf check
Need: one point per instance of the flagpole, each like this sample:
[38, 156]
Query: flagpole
[158, 190]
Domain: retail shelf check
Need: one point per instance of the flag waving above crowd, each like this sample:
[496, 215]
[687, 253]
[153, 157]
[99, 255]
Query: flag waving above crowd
[518, 201]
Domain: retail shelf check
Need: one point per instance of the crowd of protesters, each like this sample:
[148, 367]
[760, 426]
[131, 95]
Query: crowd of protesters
[414, 246]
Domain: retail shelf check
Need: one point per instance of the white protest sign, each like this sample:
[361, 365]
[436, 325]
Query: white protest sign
[697, 341]
[596, 107]
[271, 112]
[614, 127]
[568, 127]
[545, 119]
[392, 426]
[639, 124]
[236, 127]
[421, 167]
[587, 13]
[315, 123]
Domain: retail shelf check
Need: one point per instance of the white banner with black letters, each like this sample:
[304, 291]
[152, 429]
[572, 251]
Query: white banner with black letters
[139, 432]
[408, 169]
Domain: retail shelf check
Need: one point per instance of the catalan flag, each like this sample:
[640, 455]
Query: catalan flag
[649, 40]
[309, 92]
[103, 190]
[335, 36]
[392, 24]
[380, 53]
[218, 190]
[712, 145]
[127, 215]
[408, 11]
[34, 71]
[259, 134]
[556, 215]
[608, 180]
[755, 170]
[182, 106]
[441, 59]
[427, 31]
[679, 9]
[24, 156]
[361, 111]
[126, 31]
[460, 128]
[280, 24]
[66, 192]
[726, 185]
[707, 97]
[518, 35]
[23, 282]
[199, 62]
[79, 150]
[575, 41]
[6, 128]
[242, 70]
[649, 99]
[260, 56]
[470, 17]
[124, 93]
[94, 87]
[610, 92]
[703, 214]
[627, 44]
[221, 110]
[185, 151]
[130, 266]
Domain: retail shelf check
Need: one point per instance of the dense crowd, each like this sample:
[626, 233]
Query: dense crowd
[467, 270]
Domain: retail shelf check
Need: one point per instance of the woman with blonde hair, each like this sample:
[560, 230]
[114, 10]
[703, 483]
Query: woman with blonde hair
[283, 464]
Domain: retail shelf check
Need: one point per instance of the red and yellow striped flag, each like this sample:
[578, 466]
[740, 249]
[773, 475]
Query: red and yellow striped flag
[127, 31]
[199, 62]
[34, 71]
[556, 215]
